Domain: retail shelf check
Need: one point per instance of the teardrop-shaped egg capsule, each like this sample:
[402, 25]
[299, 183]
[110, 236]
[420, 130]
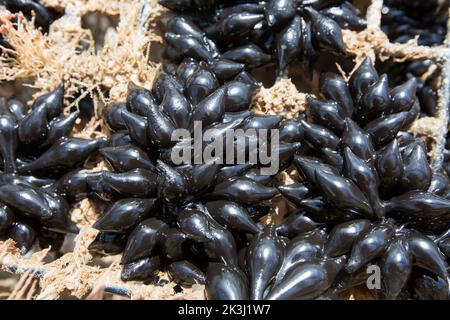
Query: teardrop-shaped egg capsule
[166, 83]
[419, 205]
[326, 31]
[171, 243]
[226, 69]
[389, 164]
[343, 236]
[235, 25]
[242, 7]
[211, 109]
[17, 108]
[236, 170]
[305, 247]
[343, 193]
[25, 199]
[201, 84]
[413, 114]
[6, 219]
[60, 127]
[295, 192]
[243, 191]
[251, 55]
[403, 96]
[332, 157]
[60, 220]
[291, 131]
[259, 122]
[186, 68]
[137, 183]
[265, 254]
[137, 127]
[8, 142]
[335, 88]
[280, 12]
[160, 128]
[369, 246]
[108, 243]
[259, 177]
[296, 224]
[288, 42]
[65, 153]
[319, 137]
[238, 96]
[125, 214]
[222, 246]
[185, 273]
[357, 140]
[231, 215]
[396, 267]
[416, 171]
[142, 240]
[247, 78]
[23, 235]
[176, 106]
[183, 26]
[307, 167]
[346, 16]
[326, 113]
[52, 102]
[305, 281]
[384, 129]
[308, 47]
[139, 100]
[195, 224]
[140, 270]
[33, 127]
[225, 282]
[203, 176]
[172, 185]
[440, 182]
[375, 101]
[189, 46]
[113, 116]
[426, 254]
[365, 178]
[363, 77]
[126, 158]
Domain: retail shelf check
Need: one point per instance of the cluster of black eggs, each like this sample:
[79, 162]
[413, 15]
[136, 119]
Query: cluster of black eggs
[257, 32]
[367, 195]
[38, 161]
[370, 184]
[180, 217]
[427, 96]
[406, 20]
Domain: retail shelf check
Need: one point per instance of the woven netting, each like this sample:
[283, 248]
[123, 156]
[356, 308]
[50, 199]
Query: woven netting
[70, 53]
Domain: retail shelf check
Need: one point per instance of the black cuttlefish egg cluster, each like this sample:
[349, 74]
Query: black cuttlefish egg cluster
[40, 165]
[405, 20]
[399, 72]
[257, 32]
[180, 217]
[366, 196]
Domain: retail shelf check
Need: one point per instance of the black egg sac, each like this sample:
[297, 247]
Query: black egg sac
[368, 185]
[40, 171]
[400, 72]
[257, 32]
[405, 20]
[180, 217]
